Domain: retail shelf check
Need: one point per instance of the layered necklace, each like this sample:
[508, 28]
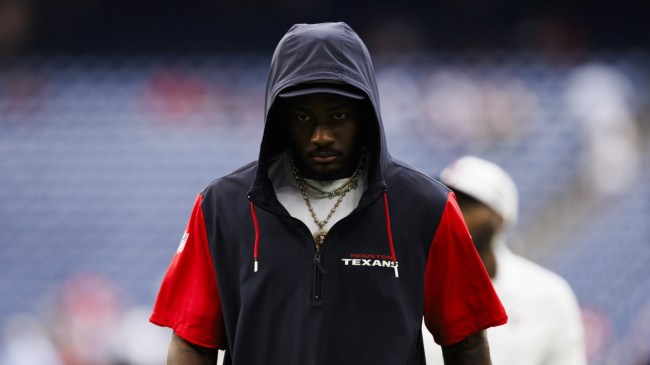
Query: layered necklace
[308, 190]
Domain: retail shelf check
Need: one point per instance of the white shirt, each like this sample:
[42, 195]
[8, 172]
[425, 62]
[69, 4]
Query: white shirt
[288, 193]
[544, 323]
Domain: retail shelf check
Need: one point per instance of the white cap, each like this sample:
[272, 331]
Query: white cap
[485, 182]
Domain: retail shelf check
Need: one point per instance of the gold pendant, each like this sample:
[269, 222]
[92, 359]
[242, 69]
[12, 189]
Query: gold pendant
[319, 238]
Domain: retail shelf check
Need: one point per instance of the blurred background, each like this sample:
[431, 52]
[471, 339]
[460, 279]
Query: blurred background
[114, 114]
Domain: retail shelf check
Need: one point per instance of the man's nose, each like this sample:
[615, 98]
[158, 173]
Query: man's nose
[322, 135]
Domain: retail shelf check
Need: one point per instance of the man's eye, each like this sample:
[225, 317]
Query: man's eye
[340, 116]
[303, 117]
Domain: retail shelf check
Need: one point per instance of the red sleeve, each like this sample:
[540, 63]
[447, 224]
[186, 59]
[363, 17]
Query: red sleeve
[188, 300]
[459, 297]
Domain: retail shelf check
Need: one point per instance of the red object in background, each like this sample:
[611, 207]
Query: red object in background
[598, 329]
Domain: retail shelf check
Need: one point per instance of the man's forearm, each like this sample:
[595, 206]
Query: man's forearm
[473, 350]
[181, 352]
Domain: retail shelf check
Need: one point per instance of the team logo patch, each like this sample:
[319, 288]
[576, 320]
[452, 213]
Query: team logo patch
[370, 260]
[181, 246]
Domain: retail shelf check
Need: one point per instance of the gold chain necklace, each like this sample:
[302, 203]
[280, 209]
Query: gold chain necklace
[352, 183]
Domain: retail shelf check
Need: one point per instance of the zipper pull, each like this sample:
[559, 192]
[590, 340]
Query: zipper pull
[316, 261]
[395, 267]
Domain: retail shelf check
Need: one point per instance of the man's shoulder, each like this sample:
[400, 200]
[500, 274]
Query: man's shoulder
[528, 287]
[241, 178]
[547, 283]
[410, 179]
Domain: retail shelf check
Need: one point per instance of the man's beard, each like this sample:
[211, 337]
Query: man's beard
[482, 236]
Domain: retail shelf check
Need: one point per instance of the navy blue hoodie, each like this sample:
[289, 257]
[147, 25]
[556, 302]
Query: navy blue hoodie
[404, 252]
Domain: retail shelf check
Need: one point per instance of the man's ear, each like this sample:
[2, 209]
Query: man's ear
[497, 222]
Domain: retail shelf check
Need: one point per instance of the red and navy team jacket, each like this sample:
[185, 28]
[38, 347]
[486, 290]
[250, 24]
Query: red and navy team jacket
[246, 277]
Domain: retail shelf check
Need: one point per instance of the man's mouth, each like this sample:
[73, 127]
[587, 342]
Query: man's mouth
[323, 157]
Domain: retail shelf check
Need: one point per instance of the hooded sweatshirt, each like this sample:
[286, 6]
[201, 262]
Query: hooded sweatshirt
[246, 277]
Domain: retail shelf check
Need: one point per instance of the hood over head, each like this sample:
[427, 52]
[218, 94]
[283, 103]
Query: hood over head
[325, 57]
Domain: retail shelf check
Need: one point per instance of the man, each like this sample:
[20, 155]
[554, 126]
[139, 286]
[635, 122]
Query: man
[544, 326]
[325, 250]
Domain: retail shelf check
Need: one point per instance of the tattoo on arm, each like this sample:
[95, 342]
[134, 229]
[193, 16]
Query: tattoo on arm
[473, 350]
[186, 353]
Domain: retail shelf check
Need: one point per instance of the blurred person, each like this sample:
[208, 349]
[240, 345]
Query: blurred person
[545, 326]
[27, 340]
[79, 325]
[325, 250]
[86, 319]
[603, 99]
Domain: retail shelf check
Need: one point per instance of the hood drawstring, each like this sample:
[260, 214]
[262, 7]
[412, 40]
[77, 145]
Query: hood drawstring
[257, 236]
[390, 236]
[388, 231]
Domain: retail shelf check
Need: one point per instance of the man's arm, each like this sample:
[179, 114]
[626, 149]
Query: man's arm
[472, 350]
[182, 352]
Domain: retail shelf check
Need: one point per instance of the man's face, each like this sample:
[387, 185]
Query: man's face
[324, 135]
[483, 223]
